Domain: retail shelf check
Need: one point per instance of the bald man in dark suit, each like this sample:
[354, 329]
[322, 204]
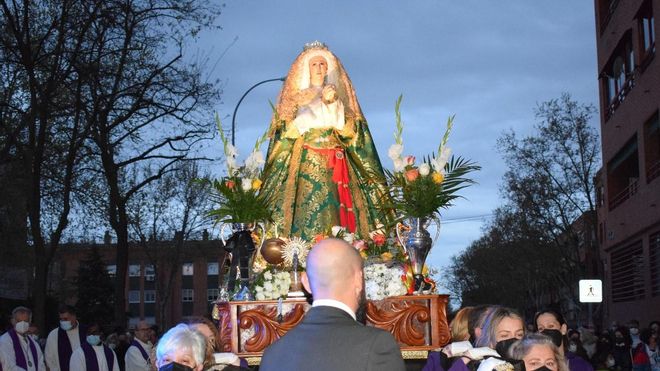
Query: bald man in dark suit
[329, 337]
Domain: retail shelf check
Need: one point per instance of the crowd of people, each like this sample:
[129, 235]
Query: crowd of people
[74, 346]
[332, 336]
[485, 337]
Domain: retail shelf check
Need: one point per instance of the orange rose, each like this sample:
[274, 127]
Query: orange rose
[411, 175]
[319, 237]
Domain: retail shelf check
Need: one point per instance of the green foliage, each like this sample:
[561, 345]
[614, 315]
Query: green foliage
[96, 291]
[236, 205]
[424, 196]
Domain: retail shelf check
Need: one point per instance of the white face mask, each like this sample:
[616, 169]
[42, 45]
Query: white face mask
[634, 331]
[572, 348]
[610, 362]
[22, 327]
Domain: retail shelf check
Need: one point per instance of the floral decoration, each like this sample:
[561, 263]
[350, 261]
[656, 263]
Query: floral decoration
[237, 194]
[420, 191]
[381, 281]
[271, 285]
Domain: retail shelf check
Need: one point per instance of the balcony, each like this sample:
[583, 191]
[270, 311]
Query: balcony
[653, 171]
[625, 194]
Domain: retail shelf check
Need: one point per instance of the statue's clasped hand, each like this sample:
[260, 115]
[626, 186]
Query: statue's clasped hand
[329, 94]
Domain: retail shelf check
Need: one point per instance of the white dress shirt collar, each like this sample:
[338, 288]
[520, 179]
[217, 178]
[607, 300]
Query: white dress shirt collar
[335, 304]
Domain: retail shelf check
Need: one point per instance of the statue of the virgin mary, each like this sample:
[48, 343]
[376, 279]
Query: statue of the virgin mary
[322, 168]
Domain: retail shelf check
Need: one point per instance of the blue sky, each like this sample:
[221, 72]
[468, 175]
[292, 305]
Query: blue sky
[488, 62]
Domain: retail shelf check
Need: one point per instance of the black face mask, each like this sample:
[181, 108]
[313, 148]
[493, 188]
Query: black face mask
[542, 368]
[555, 335]
[502, 347]
[174, 366]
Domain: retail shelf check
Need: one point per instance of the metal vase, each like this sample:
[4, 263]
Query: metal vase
[242, 247]
[417, 242]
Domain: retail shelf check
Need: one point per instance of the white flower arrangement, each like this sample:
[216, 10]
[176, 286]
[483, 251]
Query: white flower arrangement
[382, 281]
[275, 285]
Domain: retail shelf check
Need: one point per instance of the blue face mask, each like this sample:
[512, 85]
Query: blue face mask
[93, 339]
[66, 325]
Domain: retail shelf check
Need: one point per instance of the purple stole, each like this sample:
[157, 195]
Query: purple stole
[91, 363]
[64, 346]
[134, 343]
[18, 351]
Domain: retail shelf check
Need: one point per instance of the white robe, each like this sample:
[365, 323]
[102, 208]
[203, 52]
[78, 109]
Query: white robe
[8, 357]
[77, 362]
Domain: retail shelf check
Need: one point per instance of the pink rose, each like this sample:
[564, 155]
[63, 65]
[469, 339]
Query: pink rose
[410, 160]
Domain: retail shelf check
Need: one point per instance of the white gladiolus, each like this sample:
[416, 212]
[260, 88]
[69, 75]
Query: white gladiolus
[424, 169]
[395, 151]
[399, 164]
[246, 184]
[255, 160]
[337, 229]
[440, 162]
[268, 276]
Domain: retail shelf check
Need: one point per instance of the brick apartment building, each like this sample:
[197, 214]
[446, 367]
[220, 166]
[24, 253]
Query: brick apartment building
[195, 285]
[629, 181]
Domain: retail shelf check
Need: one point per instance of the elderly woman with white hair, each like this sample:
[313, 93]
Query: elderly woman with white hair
[538, 352]
[184, 345]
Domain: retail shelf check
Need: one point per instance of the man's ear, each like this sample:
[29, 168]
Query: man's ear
[563, 329]
[305, 282]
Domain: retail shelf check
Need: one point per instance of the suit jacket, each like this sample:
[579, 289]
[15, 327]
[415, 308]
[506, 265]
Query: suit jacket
[330, 339]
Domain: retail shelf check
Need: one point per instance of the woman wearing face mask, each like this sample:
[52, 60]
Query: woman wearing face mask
[621, 344]
[538, 352]
[552, 324]
[182, 345]
[93, 355]
[497, 329]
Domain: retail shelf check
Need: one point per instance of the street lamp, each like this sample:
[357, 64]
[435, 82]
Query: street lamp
[233, 117]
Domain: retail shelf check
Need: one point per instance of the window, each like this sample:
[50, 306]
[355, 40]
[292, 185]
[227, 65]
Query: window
[654, 263]
[134, 296]
[623, 174]
[212, 269]
[134, 270]
[605, 10]
[187, 269]
[149, 296]
[149, 272]
[627, 267]
[618, 74]
[652, 147]
[646, 31]
[187, 295]
[212, 294]
[111, 269]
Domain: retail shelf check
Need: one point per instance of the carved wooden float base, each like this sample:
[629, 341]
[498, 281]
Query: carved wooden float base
[417, 322]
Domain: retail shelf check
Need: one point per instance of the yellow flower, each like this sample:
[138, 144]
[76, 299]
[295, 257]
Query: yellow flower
[386, 256]
[256, 184]
[363, 254]
[438, 177]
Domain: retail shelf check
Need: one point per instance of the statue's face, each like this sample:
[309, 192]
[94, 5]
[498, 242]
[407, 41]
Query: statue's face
[318, 67]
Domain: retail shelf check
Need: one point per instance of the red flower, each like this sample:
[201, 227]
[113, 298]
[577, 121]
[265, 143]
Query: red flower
[379, 239]
[319, 237]
[230, 184]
